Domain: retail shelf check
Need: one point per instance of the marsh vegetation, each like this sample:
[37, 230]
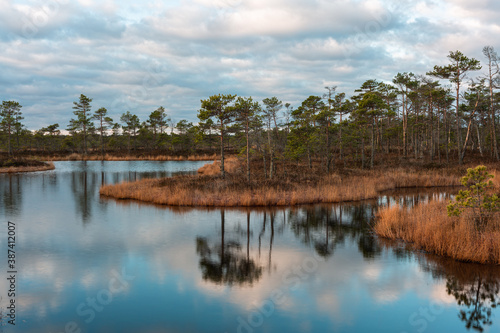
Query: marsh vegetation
[466, 228]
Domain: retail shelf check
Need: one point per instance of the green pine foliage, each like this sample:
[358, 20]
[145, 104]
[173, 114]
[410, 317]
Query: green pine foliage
[477, 198]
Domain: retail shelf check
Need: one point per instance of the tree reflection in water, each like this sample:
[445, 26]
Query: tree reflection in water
[324, 228]
[83, 185]
[272, 215]
[475, 287]
[477, 298]
[224, 263]
[11, 198]
[327, 226]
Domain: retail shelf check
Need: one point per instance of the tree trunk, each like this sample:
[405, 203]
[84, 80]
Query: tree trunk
[129, 143]
[478, 139]
[17, 141]
[265, 165]
[448, 145]
[363, 151]
[222, 171]
[102, 141]
[447, 135]
[9, 135]
[462, 155]
[493, 125]
[328, 155]
[271, 165]
[248, 152]
[340, 140]
[405, 127]
[373, 144]
[135, 140]
[438, 138]
[431, 115]
[271, 152]
[459, 135]
[309, 157]
[84, 136]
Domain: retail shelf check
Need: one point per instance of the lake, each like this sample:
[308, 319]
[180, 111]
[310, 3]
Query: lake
[84, 263]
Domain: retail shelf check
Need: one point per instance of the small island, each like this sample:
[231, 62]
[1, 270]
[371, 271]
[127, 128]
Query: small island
[292, 184]
[12, 165]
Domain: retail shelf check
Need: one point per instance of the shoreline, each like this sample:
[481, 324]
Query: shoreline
[20, 169]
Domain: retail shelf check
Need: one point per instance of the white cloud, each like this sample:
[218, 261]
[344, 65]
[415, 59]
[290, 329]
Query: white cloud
[179, 52]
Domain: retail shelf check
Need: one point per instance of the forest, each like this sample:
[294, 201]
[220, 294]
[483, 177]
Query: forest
[443, 117]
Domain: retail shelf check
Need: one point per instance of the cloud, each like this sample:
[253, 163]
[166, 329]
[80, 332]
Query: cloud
[130, 56]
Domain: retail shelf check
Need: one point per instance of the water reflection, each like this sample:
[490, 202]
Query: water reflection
[324, 229]
[272, 215]
[476, 289]
[11, 195]
[327, 226]
[222, 265]
[224, 262]
[83, 186]
[319, 227]
[84, 179]
[477, 297]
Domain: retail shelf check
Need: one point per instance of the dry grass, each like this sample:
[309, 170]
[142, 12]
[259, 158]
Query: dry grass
[299, 186]
[231, 165]
[13, 169]
[108, 157]
[428, 227]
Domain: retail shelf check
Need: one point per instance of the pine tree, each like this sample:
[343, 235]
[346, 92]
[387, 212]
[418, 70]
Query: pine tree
[83, 121]
[219, 108]
[456, 72]
[10, 113]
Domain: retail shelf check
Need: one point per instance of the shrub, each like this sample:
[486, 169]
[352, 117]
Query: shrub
[477, 198]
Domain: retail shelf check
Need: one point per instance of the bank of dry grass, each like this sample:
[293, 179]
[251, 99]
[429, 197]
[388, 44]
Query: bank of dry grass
[296, 186]
[428, 227]
[24, 165]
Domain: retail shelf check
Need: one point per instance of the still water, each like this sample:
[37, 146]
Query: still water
[91, 264]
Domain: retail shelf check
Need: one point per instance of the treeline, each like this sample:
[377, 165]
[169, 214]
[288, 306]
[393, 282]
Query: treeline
[97, 132]
[441, 116]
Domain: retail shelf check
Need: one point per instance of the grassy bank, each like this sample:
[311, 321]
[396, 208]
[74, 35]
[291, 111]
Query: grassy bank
[428, 227]
[298, 185]
[24, 165]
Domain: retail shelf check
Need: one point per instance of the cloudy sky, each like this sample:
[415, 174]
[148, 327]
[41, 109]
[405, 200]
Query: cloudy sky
[136, 56]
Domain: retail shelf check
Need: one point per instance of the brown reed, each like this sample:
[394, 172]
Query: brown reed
[428, 227]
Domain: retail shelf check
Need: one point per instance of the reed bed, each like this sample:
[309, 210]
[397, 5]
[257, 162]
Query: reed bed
[428, 227]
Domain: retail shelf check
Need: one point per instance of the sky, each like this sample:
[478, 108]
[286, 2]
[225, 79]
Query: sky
[136, 56]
